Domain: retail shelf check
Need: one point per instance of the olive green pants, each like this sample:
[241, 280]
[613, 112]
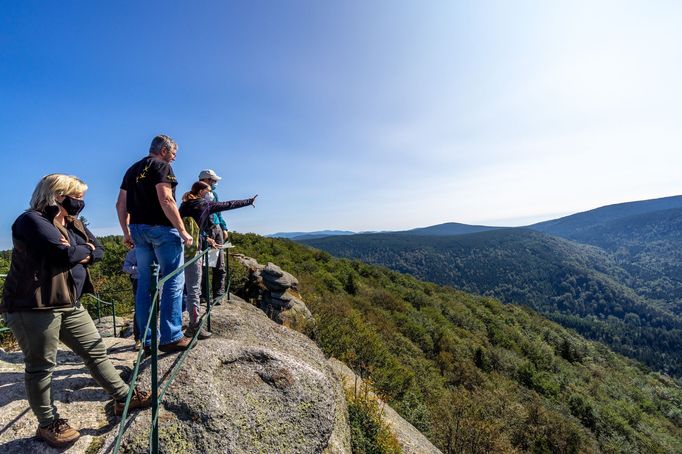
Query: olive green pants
[38, 333]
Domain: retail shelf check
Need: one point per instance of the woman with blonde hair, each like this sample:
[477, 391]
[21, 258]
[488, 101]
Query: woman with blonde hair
[51, 253]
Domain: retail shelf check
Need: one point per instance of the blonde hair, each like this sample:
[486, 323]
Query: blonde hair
[54, 185]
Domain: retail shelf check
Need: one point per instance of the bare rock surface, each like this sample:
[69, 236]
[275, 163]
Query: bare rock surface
[410, 439]
[105, 326]
[77, 397]
[254, 386]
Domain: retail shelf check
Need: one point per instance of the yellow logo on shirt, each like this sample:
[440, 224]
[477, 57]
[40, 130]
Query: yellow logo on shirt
[142, 174]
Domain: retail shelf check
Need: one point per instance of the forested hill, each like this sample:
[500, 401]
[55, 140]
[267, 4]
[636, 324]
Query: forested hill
[648, 245]
[581, 287]
[473, 374]
[448, 228]
[569, 226]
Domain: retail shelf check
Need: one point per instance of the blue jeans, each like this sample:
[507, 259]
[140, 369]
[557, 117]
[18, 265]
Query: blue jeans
[159, 244]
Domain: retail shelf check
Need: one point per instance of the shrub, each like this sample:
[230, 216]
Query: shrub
[369, 434]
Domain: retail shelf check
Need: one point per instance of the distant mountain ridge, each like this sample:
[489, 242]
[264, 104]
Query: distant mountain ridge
[449, 228]
[567, 226]
[310, 235]
[571, 225]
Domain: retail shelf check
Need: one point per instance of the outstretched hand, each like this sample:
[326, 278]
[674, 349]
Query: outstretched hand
[253, 200]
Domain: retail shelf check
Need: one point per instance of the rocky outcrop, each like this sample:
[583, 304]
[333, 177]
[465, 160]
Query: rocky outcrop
[254, 386]
[410, 439]
[275, 292]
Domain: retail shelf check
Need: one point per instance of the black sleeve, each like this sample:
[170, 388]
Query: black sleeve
[164, 174]
[184, 210]
[42, 235]
[98, 253]
[124, 182]
[214, 207]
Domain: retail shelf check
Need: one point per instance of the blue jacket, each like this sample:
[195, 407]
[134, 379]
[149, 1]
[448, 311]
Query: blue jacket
[217, 217]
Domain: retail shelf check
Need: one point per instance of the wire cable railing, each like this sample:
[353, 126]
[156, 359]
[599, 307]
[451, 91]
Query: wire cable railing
[157, 396]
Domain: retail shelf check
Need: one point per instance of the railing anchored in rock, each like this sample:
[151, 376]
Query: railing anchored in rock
[100, 302]
[157, 397]
[3, 328]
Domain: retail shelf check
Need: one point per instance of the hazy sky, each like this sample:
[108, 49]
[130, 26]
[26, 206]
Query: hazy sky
[352, 115]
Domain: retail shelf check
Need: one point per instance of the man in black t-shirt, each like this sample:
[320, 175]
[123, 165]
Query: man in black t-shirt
[150, 220]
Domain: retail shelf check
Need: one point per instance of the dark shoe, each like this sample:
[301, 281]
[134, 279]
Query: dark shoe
[140, 399]
[192, 330]
[58, 433]
[177, 346]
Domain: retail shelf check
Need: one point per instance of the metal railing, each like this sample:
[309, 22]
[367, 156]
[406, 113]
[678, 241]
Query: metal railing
[3, 328]
[101, 302]
[152, 321]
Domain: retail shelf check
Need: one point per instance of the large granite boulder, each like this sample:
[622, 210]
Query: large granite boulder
[274, 291]
[277, 280]
[254, 386]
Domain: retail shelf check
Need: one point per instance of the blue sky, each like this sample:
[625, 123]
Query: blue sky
[349, 115]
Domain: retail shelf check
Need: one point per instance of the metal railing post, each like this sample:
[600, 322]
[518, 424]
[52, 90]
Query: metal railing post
[228, 277]
[155, 355]
[113, 316]
[207, 289]
[228, 280]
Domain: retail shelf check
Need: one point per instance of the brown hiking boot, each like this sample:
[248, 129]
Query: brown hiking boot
[58, 433]
[177, 346]
[140, 399]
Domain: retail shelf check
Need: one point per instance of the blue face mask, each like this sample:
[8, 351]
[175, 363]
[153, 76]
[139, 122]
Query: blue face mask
[213, 185]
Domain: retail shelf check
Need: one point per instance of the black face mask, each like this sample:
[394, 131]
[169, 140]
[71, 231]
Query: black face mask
[72, 206]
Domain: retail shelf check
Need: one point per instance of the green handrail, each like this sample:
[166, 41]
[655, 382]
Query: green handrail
[156, 284]
[99, 309]
[4, 328]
